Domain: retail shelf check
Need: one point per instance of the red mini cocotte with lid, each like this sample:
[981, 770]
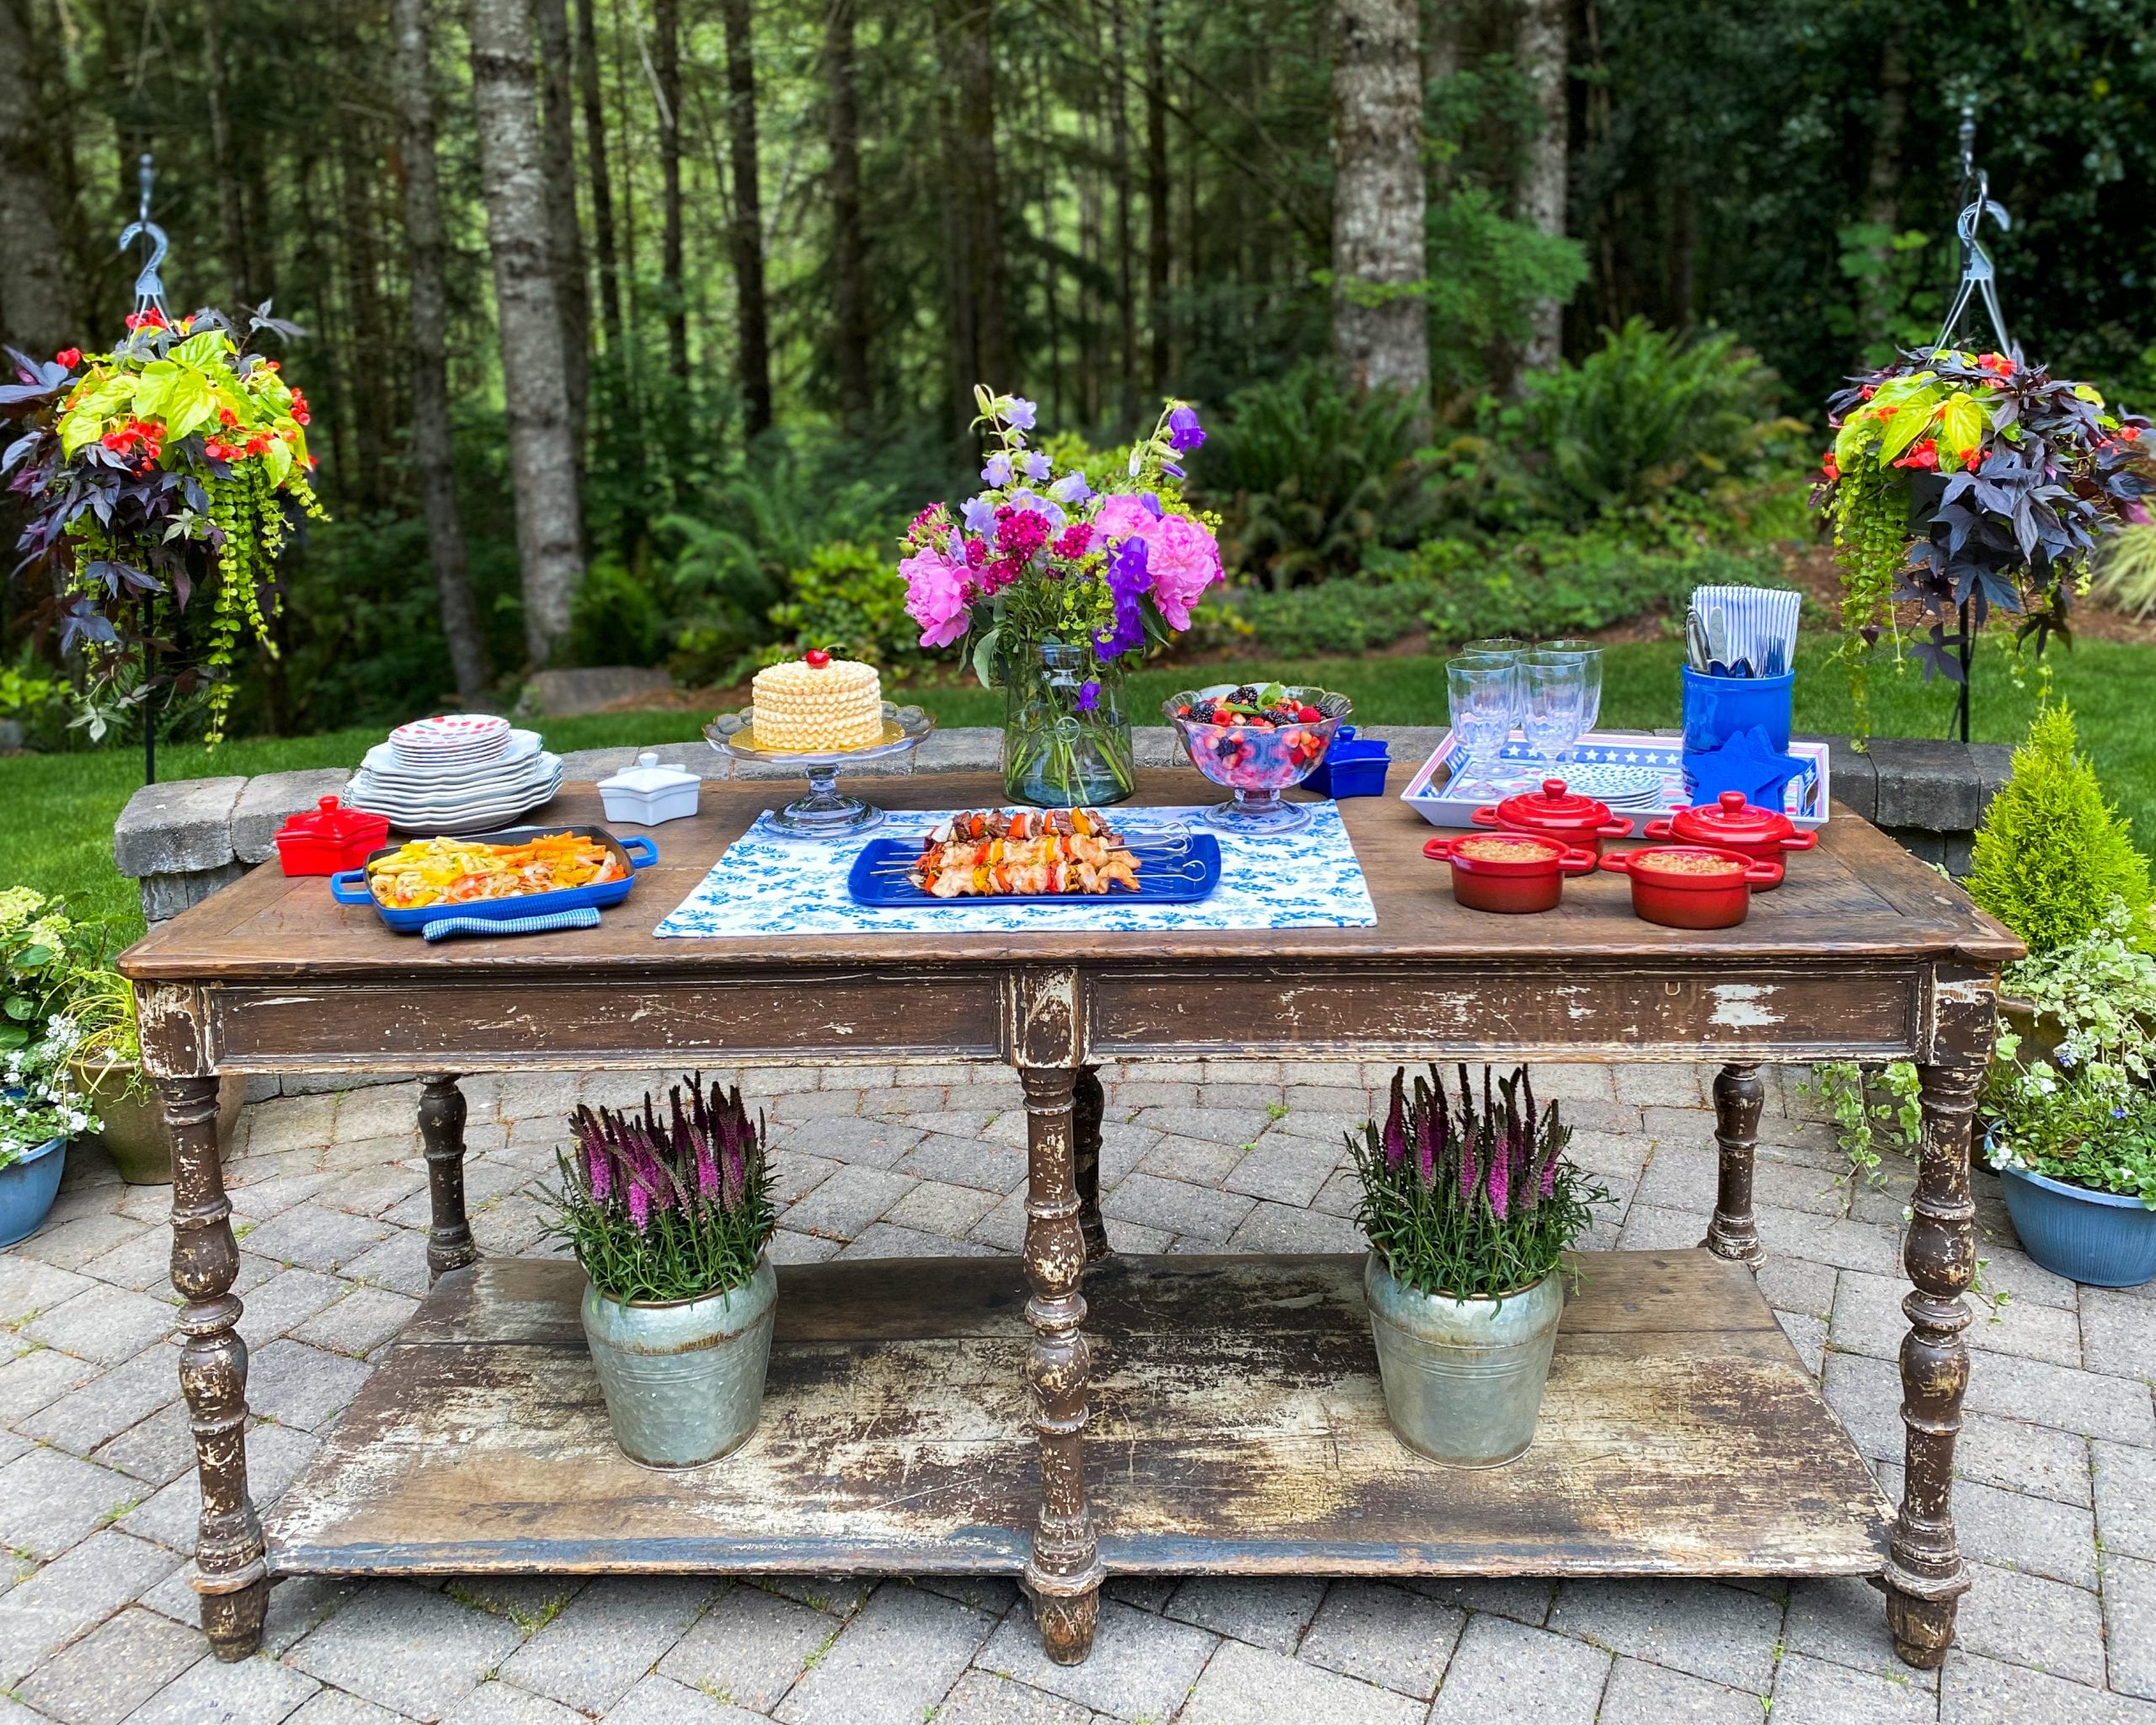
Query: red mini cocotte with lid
[1692, 886]
[329, 839]
[1763, 835]
[1512, 873]
[1556, 813]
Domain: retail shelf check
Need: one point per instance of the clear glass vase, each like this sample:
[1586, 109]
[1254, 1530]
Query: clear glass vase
[1066, 735]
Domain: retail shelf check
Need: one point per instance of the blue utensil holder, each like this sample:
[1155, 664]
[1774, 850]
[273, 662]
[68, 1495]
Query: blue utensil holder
[1353, 766]
[1718, 708]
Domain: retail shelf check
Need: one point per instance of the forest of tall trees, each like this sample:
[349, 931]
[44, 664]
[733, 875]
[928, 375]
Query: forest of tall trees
[573, 271]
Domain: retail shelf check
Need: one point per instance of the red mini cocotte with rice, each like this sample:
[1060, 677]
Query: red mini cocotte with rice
[1556, 813]
[1512, 872]
[1692, 886]
[1762, 835]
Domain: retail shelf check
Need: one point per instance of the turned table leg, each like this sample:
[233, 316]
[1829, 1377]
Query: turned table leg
[1739, 1096]
[442, 1130]
[1064, 1574]
[1925, 1575]
[232, 1571]
[1089, 1104]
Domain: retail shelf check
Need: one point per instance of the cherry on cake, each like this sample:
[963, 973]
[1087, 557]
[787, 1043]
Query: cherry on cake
[816, 703]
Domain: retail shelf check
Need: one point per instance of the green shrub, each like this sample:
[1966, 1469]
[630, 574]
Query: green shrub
[1309, 480]
[614, 619]
[851, 599]
[1344, 617]
[1650, 420]
[2052, 853]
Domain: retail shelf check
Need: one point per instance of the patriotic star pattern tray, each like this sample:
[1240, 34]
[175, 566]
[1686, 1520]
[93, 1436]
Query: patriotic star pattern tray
[1611, 760]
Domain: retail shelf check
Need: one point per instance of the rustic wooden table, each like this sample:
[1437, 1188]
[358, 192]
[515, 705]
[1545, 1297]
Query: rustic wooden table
[1227, 1409]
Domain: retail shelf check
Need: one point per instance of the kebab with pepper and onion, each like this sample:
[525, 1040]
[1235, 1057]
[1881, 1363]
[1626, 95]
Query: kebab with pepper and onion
[1023, 852]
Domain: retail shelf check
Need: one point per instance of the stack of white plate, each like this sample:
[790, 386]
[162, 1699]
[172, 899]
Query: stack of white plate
[465, 772]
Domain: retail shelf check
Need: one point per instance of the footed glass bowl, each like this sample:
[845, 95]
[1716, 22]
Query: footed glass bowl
[1256, 763]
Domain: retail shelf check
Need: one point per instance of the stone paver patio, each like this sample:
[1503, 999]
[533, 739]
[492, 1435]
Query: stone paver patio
[2057, 1494]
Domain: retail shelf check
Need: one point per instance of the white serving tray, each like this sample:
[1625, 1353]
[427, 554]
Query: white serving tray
[1429, 793]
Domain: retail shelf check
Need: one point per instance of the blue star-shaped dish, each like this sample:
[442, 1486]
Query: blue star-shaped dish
[1749, 762]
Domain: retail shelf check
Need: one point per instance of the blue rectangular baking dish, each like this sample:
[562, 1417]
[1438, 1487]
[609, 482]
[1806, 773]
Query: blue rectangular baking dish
[1178, 876]
[635, 852]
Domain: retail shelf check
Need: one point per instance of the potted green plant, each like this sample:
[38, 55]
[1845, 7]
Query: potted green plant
[40, 1107]
[670, 1218]
[2069, 1116]
[172, 466]
[1958, 476]
[108, 1070]
[1470, 1213]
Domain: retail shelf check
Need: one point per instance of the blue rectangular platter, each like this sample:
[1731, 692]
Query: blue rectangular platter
[1165, 877]
[636, 852]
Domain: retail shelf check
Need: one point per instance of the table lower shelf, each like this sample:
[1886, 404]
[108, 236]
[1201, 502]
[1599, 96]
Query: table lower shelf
[1238, 1428]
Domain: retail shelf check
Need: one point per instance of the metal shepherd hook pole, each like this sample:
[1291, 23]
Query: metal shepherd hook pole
[149, 293]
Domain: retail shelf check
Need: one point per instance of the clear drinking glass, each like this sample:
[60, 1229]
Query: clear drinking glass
[1590, 660]
[1485, 703]
[1553, 685]
[1497, 646]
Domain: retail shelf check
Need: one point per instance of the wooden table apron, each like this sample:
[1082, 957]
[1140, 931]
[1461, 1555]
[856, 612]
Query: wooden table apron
[1864, 954]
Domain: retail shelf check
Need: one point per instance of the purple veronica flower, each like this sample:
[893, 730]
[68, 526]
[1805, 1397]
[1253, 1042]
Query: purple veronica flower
[1089, 694]
[639, 1208]
[1395, 1128]
[1021, 412]
[997, 471]
[1549, 1178]
[1183, 430]
[1501, 1181]
[1425, 1149]
[1127, 578]
[598, 1171]
[980, 514]
[1036, 465]
[1071, 489]
[1467, 1170]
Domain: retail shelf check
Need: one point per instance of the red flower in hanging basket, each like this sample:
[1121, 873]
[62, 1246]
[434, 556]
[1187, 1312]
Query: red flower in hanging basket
[1923, 453]
[70, 357]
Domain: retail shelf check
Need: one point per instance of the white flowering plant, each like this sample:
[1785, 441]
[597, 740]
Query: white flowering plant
[2086, 1115]
[39, 1101]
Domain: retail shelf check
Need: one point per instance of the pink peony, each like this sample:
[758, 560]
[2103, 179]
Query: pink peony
[936, 595]
[1185, 560]
[1124, 516]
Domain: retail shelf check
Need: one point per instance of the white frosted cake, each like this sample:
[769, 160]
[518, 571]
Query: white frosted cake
[808, 706]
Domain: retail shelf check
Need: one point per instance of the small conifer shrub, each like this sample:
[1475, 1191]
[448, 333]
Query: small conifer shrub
[2052, 854]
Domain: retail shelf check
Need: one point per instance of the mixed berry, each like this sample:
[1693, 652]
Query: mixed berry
[1262, 709]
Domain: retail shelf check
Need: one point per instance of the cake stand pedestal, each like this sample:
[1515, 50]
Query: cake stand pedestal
[826, 812]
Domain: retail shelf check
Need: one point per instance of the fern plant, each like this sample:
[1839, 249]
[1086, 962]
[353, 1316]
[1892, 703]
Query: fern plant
[2052, 854]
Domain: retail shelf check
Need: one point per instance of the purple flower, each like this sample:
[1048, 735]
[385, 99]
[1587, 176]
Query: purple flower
[1089, 694]
[1070, 488]
[1549, 1178]
[1183, 430]
[1501, 1181]
[1021, 412]
[1467, 1172]
[1172, 470]
[1425, 1148]
[1053, 513]
[639, 1207]
[1126, 580]
[980, 515]
[1151, 500]
[1396, 1126]
[1036, 465]
[997, 471]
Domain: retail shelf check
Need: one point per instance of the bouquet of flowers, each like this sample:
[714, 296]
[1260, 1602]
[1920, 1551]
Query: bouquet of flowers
[1062, 587]
[1474, 1203]
[664, 1209]
[1973, 476]
[177, 461]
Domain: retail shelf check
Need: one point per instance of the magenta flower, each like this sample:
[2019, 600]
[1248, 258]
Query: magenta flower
[1500, 1186]
[1395, 1128]
[1185, 561]
[936, 596]
[1124, 516]
[639, 1207]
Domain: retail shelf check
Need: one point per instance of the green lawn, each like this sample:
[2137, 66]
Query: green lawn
[56, 811]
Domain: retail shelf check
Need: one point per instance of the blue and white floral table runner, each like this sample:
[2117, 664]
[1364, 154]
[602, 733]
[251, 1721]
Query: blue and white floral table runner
[767, 884]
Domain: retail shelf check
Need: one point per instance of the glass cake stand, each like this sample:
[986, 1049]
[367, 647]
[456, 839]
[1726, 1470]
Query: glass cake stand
[825, 813]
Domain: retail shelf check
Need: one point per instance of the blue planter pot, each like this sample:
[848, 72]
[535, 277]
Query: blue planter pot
[27, 1189]
[2101, 1238]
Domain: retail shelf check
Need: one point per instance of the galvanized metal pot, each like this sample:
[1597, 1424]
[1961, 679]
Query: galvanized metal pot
[1463, 1378]
[683, 1379]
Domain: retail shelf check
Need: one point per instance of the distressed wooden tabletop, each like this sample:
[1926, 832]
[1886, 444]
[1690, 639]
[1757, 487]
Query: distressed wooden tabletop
[1858, 895]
